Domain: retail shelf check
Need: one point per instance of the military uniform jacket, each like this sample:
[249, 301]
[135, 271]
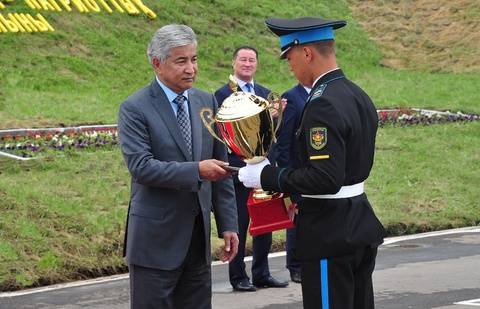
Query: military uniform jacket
[335, 145]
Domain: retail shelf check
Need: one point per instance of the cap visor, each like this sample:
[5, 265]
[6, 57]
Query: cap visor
[283, 54]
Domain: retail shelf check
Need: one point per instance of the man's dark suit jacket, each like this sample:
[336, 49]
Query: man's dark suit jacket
[167, 192]
[284, 150]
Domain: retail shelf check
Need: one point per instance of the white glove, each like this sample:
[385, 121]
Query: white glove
[250, 174]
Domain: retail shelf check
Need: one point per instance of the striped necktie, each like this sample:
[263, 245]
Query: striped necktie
[184, 122]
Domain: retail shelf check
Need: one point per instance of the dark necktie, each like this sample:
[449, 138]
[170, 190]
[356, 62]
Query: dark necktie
[249, 87]
[184, 122]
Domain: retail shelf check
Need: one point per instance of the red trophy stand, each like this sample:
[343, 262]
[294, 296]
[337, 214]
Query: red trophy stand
[268, 215]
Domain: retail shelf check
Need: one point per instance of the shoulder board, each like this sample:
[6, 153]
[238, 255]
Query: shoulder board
[318, 93]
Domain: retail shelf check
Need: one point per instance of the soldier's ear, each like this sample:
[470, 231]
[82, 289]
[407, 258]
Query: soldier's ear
[307, 53]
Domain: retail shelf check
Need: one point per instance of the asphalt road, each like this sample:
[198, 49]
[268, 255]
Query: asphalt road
[434, 271]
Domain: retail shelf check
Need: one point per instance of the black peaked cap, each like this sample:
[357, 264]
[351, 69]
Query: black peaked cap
[282, 26]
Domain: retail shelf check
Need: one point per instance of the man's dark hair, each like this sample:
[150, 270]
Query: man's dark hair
[325, 48]
[235, 53]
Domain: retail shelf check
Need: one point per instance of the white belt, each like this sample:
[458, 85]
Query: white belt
[345, 192]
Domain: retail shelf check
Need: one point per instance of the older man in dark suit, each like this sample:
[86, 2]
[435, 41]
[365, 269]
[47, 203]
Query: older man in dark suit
[177, 180]
[245, 60]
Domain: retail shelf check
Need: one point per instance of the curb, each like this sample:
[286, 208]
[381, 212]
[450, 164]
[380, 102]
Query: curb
[388, 241]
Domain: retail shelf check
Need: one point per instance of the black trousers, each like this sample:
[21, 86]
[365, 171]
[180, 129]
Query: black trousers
[188, 287]
[343, 282]
[293, 264]
[261, 244]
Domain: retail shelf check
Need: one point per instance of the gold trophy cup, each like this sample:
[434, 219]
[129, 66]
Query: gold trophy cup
[247, 127]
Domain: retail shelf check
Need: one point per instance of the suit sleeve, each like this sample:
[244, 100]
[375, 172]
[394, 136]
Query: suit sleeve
[324, 170]
[144, 168]
[223, 194]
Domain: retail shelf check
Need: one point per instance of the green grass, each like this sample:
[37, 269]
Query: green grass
[69, 212]
[83, 71]
[63, 217]
[390, 88]
[426, 178]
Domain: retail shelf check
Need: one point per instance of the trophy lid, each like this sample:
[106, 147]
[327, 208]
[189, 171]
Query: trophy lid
[240, 105]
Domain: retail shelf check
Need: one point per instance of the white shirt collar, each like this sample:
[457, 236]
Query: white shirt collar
[171, 95]
[318, 78]
[242, 83]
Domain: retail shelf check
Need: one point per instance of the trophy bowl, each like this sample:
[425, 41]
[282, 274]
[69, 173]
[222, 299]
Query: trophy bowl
[245, 124]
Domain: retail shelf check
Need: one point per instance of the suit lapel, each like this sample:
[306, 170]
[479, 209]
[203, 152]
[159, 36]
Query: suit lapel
[303, 93]
[258, 91]
[163, 108]
[196, 124]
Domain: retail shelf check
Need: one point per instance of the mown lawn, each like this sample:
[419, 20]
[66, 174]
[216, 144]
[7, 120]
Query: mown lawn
[63, 218]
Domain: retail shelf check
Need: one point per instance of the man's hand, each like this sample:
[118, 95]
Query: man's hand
[212, 169]
[250, 174]
[231, 246]
[276, 106]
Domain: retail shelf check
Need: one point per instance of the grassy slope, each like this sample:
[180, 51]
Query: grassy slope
[427, 35]
[82, 72]
[69, 211]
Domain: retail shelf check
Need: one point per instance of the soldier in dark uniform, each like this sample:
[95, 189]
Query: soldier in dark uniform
[337, 231]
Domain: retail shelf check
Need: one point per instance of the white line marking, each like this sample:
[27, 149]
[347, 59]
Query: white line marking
[392, 240]
[471, 302]
[64, 286]
[12, 156]
[388, 241]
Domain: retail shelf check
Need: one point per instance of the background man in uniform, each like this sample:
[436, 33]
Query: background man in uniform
[177, 179]
[245, 60]
[337, 232]
[285, 157]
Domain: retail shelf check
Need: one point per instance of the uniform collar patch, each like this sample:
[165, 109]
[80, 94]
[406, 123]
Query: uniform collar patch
[318, 92]
[318, 137]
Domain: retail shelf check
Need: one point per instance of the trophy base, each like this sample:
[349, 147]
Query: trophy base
[254, 160]
[268, 215]
[259, 194]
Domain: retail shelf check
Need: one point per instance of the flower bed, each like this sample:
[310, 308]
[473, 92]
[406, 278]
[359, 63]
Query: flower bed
[31, 145]
[414, 116]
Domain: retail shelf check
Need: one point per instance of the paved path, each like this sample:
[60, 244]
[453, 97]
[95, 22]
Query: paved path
[424, 271]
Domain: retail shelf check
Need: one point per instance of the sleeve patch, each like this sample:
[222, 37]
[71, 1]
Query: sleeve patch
[318, 137]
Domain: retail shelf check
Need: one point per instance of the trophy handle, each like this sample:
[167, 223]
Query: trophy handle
[206, 114]
[232, 83]
[272, 98]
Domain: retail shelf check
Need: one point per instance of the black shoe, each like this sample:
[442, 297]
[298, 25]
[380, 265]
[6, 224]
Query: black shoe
[270, 282]
[296, 277]
[244, 286]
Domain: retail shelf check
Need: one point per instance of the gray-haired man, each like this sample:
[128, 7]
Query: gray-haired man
[177, 179]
